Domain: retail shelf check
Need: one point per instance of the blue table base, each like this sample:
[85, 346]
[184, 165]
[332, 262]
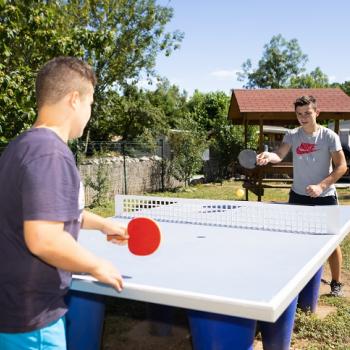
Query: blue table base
[85, 318]
[212, 331]
[84, 321]
[308, 297]
[278, 335]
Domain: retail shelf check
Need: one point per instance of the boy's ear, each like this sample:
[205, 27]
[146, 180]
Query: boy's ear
[74, 99]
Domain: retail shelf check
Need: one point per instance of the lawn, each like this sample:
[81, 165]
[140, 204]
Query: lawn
[310, 333]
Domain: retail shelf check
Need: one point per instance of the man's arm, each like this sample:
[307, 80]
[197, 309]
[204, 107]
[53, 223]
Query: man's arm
[273, 157]
[339, 170]
[92, 221]
[49, 242]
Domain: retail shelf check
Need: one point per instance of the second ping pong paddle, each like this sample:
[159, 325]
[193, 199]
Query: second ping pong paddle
[144, 236]
[247, 158]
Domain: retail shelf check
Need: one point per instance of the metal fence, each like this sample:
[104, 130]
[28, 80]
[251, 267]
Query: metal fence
[126, 151]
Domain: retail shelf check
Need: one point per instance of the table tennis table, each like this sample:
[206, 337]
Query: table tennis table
[231, 264]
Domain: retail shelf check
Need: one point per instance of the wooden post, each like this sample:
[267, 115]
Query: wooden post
[336, 126]
[261, 136]
[245, 123]
[261, 149]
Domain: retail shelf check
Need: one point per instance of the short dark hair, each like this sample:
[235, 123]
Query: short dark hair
[305, 101]
[60, 76]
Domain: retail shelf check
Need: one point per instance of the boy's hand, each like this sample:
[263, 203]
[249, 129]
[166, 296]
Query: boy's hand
[105, 272]
[314, 190]
[263, 158]
[116, 231]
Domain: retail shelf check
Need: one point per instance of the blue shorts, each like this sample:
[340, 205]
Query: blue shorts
[51, 337]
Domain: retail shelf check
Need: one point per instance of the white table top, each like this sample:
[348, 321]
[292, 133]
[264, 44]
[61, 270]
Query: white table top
[239, 272]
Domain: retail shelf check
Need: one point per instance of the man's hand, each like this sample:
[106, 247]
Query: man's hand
[105, 272]
[314, 190]
[117, 232]
[263, 158]
[49, 242]
[273, 157]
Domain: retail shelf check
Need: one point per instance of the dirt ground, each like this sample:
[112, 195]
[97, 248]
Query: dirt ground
[141, 334]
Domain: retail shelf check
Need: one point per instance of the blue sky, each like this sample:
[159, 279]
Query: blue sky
[221, 34]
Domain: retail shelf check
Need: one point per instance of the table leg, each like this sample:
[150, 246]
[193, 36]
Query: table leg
[212, 331]
[161, 319]
[84, 320]
[277, 335]
[308, 297]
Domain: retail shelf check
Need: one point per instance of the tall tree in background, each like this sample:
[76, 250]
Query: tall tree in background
[281, 61]
[314, 79]
[134, 117]
[171, 101]
[209, 111]
[142, 115]
[119, 38]
[344, 86]
[187, 145]
[28, 37]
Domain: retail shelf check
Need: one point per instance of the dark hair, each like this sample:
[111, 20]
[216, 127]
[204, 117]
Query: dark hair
[304, 101]
[60, 76]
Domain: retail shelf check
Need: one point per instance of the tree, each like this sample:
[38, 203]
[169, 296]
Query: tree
[226, 143]
[119, 38]
[27, 39]
[187, 147]
[131, 116]
[314, 79]
[281, 61]
[99, 183]
[209, 111]
[171, 101]
[344, 86]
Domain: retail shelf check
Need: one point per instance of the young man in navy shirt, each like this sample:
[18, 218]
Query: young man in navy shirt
[42, 211]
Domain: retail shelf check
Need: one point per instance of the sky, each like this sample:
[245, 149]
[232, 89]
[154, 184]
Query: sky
[219, 35]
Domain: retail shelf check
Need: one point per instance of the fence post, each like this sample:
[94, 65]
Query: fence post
[162, 164]
[124, 167]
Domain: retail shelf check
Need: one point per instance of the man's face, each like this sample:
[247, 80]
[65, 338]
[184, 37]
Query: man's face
[307, 115]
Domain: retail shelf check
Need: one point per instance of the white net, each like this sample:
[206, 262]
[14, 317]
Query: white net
[236, 214]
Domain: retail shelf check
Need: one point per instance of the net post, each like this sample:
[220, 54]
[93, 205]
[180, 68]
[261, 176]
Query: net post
[333, 219]
[118, 204]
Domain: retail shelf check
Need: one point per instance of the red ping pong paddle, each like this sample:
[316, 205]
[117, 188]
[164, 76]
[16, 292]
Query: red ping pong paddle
[144, 236]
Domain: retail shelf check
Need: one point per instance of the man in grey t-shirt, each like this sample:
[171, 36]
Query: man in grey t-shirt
[314, 149]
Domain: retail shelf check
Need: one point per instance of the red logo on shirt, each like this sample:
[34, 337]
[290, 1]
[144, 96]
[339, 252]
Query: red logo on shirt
[305, 148]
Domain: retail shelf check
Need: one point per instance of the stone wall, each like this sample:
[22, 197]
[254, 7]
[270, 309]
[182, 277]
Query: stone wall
[137, 176]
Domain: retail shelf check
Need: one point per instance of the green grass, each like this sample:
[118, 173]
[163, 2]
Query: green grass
[105, 211]
[226, 190]
[332, 332]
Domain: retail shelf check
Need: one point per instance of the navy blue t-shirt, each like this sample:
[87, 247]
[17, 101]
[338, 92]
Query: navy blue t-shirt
[38, 181]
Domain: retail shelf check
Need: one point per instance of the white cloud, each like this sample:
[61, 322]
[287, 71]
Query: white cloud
[225, 74]
[332, 78]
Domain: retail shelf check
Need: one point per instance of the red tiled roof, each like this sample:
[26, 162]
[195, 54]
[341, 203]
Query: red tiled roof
[281, 100]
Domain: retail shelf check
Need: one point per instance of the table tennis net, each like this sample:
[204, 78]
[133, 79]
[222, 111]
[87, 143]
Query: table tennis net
[236, 214]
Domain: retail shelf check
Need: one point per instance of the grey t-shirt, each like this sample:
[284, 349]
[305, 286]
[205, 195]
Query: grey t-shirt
[312, 157]
[38, 181]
